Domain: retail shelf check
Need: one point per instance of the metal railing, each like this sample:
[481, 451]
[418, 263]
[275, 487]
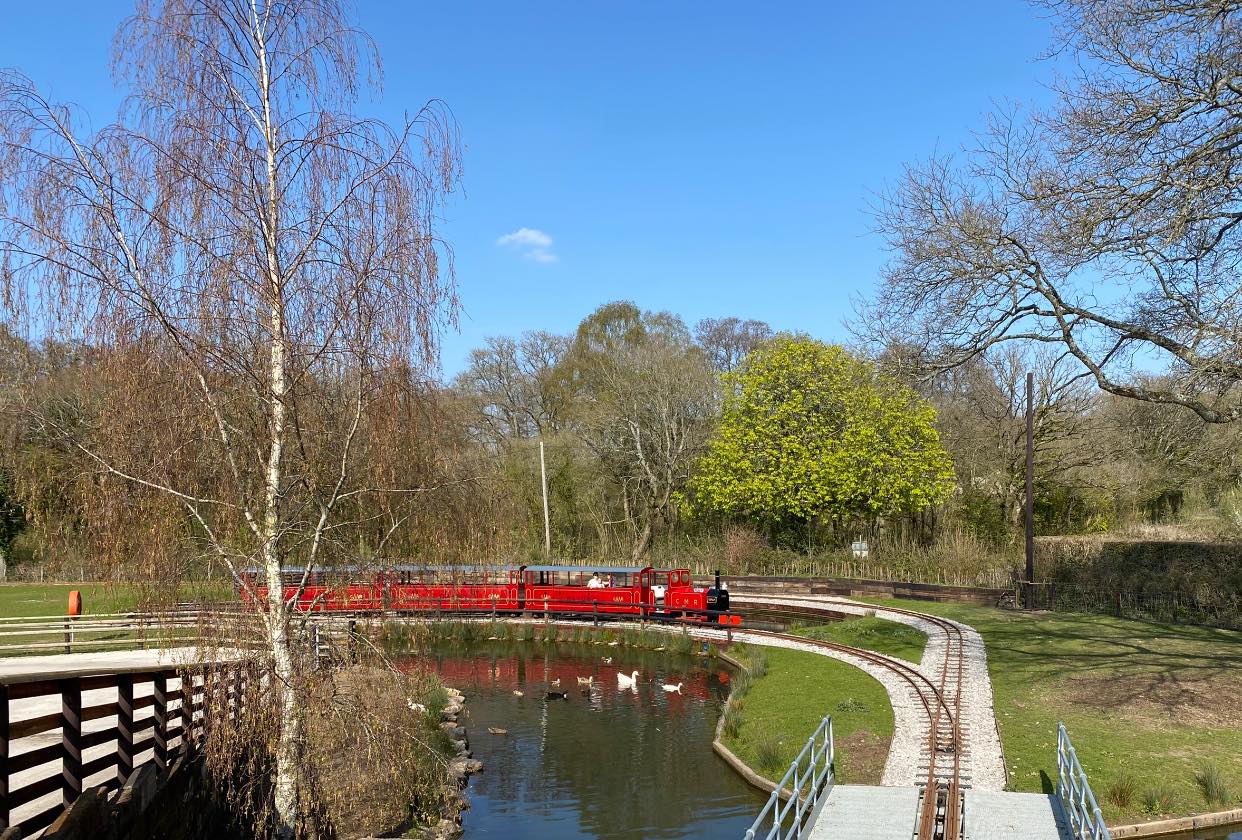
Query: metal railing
[807, 780]
[1086, 821]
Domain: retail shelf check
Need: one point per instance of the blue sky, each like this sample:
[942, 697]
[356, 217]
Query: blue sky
[710, 159]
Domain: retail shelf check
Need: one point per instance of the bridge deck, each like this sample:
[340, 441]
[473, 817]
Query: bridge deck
[866, 812]
[1013, 816]
[863, 812]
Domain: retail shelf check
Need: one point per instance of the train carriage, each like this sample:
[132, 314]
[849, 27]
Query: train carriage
[576, 590]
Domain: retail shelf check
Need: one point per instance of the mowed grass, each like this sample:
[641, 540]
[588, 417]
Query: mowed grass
[869, 633]
[786, 704]
[1147, 705]
[51, 600]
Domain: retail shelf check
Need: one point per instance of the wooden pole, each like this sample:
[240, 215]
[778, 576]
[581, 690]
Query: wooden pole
[1030, 486]
[547, 522]
[124, 727]
[159, 708]
[70, 740]
[4, 757]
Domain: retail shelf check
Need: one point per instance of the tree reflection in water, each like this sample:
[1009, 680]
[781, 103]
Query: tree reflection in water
[604, 763]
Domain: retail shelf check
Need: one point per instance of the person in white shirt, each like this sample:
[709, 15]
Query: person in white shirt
[595, 582]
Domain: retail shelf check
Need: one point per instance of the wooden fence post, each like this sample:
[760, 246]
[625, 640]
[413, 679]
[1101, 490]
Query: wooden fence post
[124, 727]
[187, 712]
[4, 757]
[70, 740]
[159, 706]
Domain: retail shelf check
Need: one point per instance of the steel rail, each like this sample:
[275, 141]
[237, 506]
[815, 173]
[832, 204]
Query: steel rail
[932, 825]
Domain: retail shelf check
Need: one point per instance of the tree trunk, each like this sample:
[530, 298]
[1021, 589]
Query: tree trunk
[4, 565]
[642, 542]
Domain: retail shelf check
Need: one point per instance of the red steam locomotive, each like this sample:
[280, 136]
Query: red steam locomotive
[577, 590]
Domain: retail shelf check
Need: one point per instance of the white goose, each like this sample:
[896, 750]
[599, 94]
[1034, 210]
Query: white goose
[628, 682]
[672, 688]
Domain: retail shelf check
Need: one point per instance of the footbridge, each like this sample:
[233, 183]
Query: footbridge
[945, 777]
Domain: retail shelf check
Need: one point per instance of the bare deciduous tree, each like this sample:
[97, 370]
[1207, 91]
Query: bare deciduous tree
[255, 266]
[1108, 224]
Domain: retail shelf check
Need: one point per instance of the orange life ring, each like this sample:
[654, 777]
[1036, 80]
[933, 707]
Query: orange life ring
[75, 602]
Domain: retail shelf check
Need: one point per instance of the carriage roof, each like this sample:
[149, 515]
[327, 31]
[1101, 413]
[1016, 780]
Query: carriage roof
[608, 570]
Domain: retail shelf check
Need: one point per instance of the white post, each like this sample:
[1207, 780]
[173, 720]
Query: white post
[547, 524]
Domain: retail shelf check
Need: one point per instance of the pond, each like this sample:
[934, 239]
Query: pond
[606, 761]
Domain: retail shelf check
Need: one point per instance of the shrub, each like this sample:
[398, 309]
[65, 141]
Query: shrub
[1157, 799]
[732, 717]
[768, 751]
[1212, 785]
[852, 705]
[1122, 790]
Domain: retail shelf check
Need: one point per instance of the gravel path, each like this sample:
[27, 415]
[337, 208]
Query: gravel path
[983, 762]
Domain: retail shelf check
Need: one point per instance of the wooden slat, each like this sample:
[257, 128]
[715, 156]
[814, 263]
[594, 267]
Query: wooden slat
[98, 765]
[34, 790]
[142, 744]
[39, 821]
[33, 726]
[99, 681]
[103, 736]
[34, 758]
[37, 688]
[102, 710]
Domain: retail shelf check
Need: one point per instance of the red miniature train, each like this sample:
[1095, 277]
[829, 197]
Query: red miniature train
[578, 590]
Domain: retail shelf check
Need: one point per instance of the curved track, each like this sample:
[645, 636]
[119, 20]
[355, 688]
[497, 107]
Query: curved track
[940, 811]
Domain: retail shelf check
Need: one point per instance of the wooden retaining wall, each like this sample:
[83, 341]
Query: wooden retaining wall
[860, 588]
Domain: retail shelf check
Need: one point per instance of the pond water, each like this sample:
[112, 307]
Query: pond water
[606, 762]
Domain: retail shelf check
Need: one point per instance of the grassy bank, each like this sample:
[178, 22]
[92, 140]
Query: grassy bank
[401, 636]
[869, 633]
[786, 700]
[1154, 710]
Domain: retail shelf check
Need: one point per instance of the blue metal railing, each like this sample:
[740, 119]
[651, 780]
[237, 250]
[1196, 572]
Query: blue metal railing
[807, 780]
[1086, 821]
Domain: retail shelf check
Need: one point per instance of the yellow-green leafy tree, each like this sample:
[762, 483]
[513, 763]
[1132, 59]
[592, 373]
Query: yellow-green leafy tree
[811, 433]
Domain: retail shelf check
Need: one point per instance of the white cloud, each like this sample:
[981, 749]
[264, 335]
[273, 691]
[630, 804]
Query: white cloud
[531, 243]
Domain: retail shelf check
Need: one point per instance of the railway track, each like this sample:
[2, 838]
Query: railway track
[940, 813]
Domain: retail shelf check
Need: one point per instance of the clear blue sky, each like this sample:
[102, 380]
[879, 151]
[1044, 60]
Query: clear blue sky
[710, 159]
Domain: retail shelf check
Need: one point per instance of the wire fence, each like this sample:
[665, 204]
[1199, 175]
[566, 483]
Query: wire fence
[1219, 609]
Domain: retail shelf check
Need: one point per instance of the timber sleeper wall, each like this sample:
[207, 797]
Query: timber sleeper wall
[60, 734]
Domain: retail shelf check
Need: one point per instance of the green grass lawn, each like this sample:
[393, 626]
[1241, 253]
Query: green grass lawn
[21, 600]
[869, 633]
[786, 704]
[47, 599]
[1147, 705]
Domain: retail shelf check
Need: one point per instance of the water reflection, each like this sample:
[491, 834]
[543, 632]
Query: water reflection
[606, 761]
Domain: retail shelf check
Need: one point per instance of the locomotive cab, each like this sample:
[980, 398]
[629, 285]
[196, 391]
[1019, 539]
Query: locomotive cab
[718, 596]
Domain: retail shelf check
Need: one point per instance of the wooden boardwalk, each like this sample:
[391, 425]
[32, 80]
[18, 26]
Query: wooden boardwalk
[865, 812]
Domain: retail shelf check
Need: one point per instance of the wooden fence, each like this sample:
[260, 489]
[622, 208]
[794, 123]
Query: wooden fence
[45, 752]
[76, 634]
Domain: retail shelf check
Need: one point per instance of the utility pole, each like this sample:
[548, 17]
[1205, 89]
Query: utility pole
[1030, 487]
[547, 523]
